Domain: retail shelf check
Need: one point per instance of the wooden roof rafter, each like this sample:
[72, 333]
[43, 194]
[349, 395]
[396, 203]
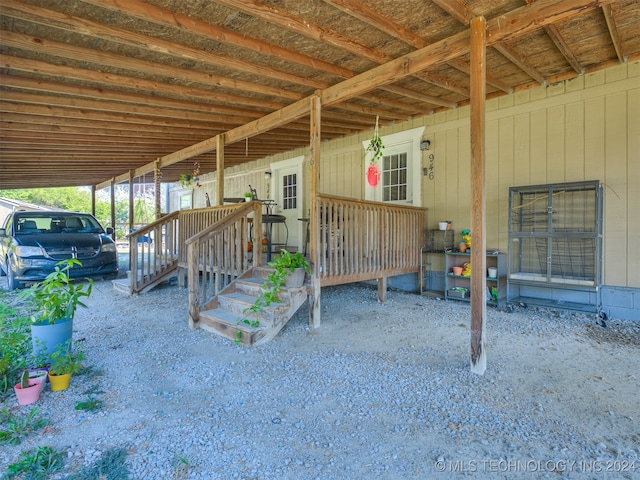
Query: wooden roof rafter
[607, 10]
[129, 53]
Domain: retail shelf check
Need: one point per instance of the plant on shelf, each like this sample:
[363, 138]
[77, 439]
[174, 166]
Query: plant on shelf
[248, 196]
[56, 300]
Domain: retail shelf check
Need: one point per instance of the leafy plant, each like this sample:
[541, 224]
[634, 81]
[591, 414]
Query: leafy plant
[110, 466]
[56, 298]
[15, 428]
[37, 464]
[283, 265]
[65, 360]
[91, 405]
[15, 346]
[375, 146]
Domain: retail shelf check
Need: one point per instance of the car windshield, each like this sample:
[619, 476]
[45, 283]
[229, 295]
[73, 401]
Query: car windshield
[56, 223]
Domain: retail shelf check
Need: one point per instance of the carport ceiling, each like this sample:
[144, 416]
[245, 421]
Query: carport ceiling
[92, 89]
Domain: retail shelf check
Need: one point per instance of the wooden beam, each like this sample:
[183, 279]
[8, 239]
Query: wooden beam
[64, 50]
[464, 67]
[371, 17]
[110, 33]
[285, 20]
[517, 22]
[191, 25]
[520, 62]
[456, 9]
[421, 97]
[563, 47]
[613, 32]
[315, 107]
[478, 66]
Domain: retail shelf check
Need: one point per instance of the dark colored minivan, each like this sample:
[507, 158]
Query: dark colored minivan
[32, 242]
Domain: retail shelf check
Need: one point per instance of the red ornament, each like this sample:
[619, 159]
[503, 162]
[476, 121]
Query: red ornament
[373, 175]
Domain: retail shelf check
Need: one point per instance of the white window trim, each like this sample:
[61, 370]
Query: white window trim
[412, 139]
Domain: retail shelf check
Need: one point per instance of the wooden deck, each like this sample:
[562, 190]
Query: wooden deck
[357, 241]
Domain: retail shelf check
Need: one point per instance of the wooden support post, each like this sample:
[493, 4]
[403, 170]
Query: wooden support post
[478, 200]
[193, 273]
[382, 289]
[157, 177]
[220, 169]
[131, 200]
[314, 151]
[93, 200]
[113, 207]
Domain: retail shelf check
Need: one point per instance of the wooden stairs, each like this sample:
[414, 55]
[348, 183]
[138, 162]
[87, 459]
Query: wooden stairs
[227, 311]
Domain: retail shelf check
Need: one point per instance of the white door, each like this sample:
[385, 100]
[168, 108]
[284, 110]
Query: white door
[287, 192]
[400, 169]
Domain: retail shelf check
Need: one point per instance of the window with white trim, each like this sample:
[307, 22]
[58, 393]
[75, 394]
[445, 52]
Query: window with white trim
[394, 177]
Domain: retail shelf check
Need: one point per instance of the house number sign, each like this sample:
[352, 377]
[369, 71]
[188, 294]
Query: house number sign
[431, 169]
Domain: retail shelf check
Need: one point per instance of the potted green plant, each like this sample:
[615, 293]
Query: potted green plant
[291, 268]
[65, 361]
[248, 196]
[56, 299]
[28, 390]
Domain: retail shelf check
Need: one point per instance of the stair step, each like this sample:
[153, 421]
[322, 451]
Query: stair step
[251, 286]
[262, 272]
[228, 324]
[232, 319]
[238, 302]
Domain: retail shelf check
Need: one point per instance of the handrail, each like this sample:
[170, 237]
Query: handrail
[150, 226]
[153, 251]
[219, 254]
[362, 240]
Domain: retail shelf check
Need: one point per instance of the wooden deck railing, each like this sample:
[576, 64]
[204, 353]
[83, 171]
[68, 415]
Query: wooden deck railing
[153, 252]
[361, 240]
[218, 254]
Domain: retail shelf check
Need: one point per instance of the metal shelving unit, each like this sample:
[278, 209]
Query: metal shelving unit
[437, 242]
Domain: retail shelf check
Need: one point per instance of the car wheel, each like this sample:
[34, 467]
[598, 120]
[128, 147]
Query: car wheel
[12, 283]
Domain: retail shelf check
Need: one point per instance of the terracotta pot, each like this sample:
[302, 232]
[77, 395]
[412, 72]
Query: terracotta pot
[457, 270]
[29, 395]
[462, 247]
[59, 382]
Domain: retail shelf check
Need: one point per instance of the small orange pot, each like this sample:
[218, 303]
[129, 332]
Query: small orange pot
[457, 270]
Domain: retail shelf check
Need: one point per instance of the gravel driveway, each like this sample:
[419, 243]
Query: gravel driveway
[379, 391]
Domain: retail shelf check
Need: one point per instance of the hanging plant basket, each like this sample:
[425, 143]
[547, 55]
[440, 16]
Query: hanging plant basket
[373, 175]
[375, 149]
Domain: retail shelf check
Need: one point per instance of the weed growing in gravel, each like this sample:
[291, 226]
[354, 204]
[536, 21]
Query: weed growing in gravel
[15, 347]
[91, 405]
[111, 466]
[36, 464]
[14, 428]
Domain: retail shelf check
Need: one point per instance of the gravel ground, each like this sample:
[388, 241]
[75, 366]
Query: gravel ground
[379, 391]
